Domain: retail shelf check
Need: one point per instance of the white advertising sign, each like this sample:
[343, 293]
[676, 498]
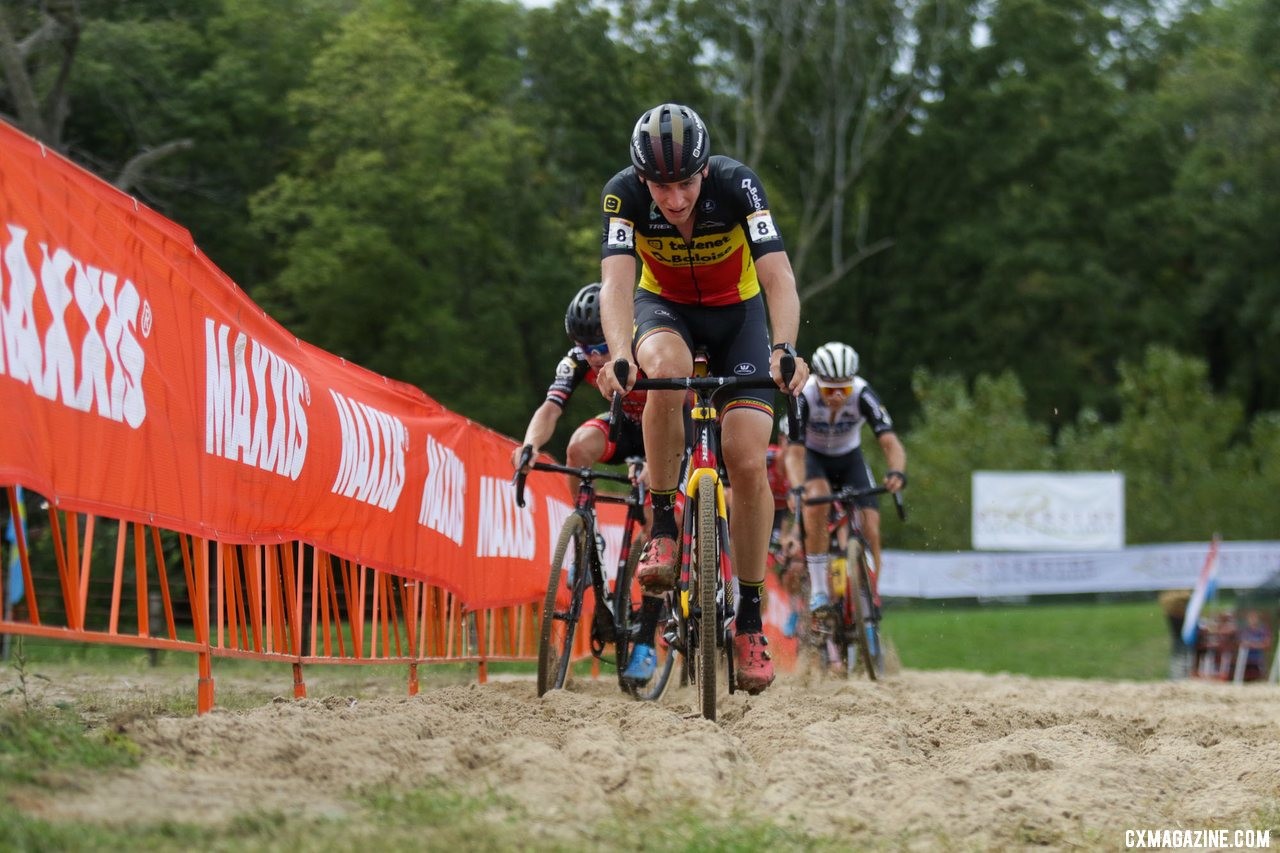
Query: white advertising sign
[973, 574]
[1047, 511]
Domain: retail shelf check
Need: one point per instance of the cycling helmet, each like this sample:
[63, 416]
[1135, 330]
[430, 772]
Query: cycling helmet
[582, 320]
[835, 362]
[669, 144]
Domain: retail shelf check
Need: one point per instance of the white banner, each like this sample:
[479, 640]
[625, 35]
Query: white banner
[1045, 511]
[969, 574]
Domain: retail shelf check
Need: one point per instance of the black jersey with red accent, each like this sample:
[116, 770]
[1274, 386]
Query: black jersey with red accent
[570, 373]
[732, 227]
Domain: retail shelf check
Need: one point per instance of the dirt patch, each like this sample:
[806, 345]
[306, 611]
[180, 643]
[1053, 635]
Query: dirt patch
[987, 759]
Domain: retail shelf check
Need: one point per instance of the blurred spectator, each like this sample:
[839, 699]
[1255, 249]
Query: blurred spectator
[1255, 638]
[1174, 604]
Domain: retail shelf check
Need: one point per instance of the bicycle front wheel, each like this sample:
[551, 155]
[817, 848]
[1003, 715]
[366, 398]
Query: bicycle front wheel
[866, 623]
[555, 641]
[705, 573]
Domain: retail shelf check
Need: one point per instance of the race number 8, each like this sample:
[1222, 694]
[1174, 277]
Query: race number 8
[622, 233]
[760, 226]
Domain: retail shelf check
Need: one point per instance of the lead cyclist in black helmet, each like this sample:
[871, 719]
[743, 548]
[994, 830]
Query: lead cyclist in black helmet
[697, 231]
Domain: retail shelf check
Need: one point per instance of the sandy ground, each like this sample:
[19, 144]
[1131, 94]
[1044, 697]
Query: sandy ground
[993, 760]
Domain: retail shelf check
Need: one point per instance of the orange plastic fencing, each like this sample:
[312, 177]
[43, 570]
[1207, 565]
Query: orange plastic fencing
[285, 602]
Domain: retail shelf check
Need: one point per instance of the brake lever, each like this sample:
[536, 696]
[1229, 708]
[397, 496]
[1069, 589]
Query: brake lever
[787, 367]
[522, 471]
[621, 370]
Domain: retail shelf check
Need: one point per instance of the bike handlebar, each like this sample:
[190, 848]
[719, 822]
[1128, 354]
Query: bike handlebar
[787, 366]
[848, 494]
[585, 474]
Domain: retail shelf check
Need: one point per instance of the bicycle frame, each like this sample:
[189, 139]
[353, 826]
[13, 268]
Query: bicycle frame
[705, 606]
[859, 618]
[611, 615]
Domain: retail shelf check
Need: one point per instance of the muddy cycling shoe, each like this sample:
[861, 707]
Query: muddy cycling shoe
[658, 565]
[644, 660]
[818, 601]
[752, 662]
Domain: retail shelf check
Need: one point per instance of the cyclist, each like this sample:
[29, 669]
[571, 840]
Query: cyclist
[698, 231]
[590, 443]
[838, 402]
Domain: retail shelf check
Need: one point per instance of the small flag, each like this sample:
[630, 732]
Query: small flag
[1205, 586]
[13, 588]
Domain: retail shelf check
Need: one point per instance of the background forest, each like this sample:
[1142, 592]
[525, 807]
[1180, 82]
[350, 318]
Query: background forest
[1048, 226]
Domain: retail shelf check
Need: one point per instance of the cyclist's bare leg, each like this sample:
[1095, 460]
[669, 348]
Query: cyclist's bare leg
[744, 440]
[816, 539]
[871, 530]
[586, 448]
[815, 517]
[664, 355]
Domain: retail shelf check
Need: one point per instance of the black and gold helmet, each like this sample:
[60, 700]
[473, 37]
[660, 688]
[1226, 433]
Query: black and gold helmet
[669, 144]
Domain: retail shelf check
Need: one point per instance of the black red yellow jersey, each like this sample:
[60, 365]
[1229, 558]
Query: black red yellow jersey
[732, 227]
[573, 370]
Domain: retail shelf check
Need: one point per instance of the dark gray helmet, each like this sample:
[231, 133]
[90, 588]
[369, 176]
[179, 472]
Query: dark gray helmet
[669, 144]
[582, 320]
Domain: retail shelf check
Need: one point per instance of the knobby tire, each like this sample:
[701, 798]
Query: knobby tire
[707, 571]
[863, 623]
[555, 642]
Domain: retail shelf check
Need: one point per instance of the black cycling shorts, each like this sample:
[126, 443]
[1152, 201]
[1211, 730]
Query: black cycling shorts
[630, 439]
[736, 338]
[847, 470]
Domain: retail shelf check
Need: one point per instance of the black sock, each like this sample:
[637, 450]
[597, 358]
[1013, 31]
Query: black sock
[664, 512]
[650, 610]
[748, 619]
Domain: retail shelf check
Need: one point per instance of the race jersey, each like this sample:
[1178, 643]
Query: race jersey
[732, 227]
[573, 369]
[836, 433]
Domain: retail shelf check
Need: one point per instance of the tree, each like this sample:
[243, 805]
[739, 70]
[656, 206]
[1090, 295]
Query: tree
[40, 48]
[1019, 216]
[405, 224]
[959, 432]
[1182, 449]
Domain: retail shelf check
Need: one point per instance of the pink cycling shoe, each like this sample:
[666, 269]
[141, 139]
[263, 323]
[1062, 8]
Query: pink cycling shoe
[753, 664]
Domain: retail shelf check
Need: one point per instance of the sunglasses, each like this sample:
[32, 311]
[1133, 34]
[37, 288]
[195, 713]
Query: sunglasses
[594, 349]
[833, 390]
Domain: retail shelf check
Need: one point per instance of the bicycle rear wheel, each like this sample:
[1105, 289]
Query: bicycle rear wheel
[866, 622]
[706, 572]
[555, 641]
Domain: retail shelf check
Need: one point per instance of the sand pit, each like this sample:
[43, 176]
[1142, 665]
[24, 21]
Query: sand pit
[958, 757]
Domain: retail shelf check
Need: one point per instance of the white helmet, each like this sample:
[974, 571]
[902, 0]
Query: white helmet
[835, 362]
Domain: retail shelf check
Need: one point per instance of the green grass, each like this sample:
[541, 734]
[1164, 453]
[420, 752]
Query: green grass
[39, 744]
[435, 817]
[1126, 640]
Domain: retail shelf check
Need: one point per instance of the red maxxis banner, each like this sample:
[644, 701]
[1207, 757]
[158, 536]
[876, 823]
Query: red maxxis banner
[138, 382]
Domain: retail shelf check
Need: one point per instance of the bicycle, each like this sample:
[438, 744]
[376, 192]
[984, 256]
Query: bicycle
[702, 604]
[613, 621]
[855, 582]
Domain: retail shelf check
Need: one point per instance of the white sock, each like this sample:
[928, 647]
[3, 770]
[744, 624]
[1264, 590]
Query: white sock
[818, 581]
